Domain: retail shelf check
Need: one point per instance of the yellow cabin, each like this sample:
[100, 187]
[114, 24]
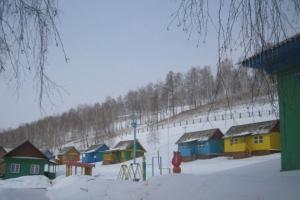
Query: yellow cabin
[252, 139]
[122, 152]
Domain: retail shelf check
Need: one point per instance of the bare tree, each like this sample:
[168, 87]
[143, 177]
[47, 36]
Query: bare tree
[101, 119]
[26, 29]
[206, 85]
[192, 85]
[250, 24]
[169, 91]
[242, 26]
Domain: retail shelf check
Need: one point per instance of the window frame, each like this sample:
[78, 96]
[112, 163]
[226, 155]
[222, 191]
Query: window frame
[201, 145]
[35, 169]
[233, 141]
[71, 157]
[15, 168]
[258, 139]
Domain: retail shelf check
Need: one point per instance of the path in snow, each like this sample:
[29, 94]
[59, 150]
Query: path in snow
[23, 194]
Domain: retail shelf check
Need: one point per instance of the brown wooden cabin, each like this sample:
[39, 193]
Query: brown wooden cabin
[68, 154]
[2, 166]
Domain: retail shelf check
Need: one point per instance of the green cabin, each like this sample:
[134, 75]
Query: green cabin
[283, 60]
[25, 160]
[122, 152]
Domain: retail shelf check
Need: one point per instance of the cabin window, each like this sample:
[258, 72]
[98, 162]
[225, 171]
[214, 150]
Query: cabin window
[34, 169]
[201, 146]
[15, 168]
[258, 139]
[233, 141]
[184, 146]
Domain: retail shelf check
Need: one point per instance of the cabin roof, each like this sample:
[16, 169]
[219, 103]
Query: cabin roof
[253, 129]
[2, 151]
[2, 148]
[48, 153]
[199, 136]
[94, 147]
[66, 150]
[278, 57]
[122, 145]
[26, 150]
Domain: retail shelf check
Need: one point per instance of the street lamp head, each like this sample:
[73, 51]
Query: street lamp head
[133, 119]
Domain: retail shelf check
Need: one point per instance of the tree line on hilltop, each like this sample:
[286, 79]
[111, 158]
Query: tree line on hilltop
[197, 87]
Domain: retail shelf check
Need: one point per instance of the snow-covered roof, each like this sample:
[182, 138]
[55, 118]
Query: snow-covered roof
[113, 149]
[238, 134]
[200, 136]
[3, 151]
[48, 153]
[253, 129]
[93, 148]
[122, 145]
[7, 149]
[27, 157]
[66, 149]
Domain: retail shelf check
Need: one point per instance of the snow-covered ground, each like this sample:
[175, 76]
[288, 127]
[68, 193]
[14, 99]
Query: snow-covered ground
[218, 178]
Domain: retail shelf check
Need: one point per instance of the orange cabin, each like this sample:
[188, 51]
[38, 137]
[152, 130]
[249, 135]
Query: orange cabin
[68, 154]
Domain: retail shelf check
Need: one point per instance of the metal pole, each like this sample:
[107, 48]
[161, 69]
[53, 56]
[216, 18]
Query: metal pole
[160, 166]
[144, 168]
[152, 166]
[134, 140]
[168, 132]
[158, 157]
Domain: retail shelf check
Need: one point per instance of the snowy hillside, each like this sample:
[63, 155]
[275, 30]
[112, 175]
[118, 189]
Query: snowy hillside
[163, 139]
[218, 178]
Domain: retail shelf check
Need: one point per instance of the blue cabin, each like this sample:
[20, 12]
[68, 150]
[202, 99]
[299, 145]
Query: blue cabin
[94, 153]
[201, 144]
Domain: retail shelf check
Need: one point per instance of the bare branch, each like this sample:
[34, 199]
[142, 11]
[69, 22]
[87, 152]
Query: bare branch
[26, 30]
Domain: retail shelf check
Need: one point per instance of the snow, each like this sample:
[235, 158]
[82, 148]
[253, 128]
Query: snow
[189, 140]
[29, 157]
[219, 164]
[37, 181]
[90, 151]
[239, 134]
[203, 138]
[257, 177]
[200, 139]
[260, 132]
[218, 178]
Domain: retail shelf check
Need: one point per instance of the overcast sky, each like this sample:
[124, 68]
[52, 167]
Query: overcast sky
[113, 46]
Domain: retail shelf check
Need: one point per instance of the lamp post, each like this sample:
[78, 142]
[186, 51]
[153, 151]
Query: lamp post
[168, 109]
[134, 125]
[168, 132]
